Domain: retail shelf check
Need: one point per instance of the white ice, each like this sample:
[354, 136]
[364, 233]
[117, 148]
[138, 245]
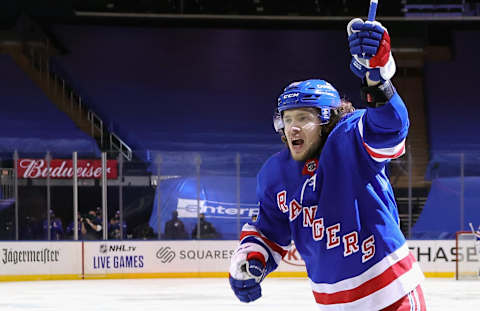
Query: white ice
[279, 294]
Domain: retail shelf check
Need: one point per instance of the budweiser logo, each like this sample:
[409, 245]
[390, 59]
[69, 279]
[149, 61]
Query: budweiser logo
[38, 168]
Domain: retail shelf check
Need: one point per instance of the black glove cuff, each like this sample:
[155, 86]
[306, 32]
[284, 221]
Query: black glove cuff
[378, 95]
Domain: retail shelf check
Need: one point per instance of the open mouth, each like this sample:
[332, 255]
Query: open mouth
[297, 144]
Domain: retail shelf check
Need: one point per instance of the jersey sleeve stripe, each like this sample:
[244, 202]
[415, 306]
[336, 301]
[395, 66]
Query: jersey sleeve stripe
[381, 154]
[386, 153]
[369, 287]
[272, 245]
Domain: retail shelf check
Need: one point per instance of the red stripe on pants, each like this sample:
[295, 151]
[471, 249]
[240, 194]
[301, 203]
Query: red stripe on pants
[416, 302]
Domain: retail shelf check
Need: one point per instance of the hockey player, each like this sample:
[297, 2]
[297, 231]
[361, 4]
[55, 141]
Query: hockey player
[476, 234]
[477, 240]
[329, 193]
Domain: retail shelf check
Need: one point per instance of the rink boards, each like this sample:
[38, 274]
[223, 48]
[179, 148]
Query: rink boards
[174, 259]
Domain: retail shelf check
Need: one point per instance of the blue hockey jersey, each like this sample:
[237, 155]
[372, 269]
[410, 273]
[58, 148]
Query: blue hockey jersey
[340, 212]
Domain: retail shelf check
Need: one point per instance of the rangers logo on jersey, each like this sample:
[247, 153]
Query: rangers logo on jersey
[310, 167]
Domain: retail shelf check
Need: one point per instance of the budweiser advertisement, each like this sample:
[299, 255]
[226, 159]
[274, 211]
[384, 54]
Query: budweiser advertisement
[60, 168]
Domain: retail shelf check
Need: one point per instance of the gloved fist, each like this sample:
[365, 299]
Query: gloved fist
[370, 47]
[247, 270]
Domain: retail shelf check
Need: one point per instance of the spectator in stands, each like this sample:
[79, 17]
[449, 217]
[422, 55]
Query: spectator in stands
[31, 229]
[91, 227]
[55, 227]
[207, 230]
[7, 230]
[175, 229]
[69, 229]
[114, 232]
[99, 215]
[143, 232]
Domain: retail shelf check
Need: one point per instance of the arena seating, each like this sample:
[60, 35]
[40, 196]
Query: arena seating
[33, 125]
[453, 111]
[441, 216]
[453, 127]
[156, 96]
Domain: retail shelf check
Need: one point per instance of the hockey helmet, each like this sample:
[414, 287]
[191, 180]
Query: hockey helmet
[309, 93]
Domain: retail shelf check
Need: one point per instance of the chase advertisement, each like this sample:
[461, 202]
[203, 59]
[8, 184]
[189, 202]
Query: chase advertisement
[441, 255]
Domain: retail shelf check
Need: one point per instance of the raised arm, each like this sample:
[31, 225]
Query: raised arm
[384, 126]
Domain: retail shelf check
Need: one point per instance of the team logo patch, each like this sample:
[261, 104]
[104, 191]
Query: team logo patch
[310, 167]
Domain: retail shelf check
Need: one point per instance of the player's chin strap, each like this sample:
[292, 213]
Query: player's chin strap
[378, 95]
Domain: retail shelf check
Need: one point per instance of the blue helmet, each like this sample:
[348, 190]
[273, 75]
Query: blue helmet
[309, 93]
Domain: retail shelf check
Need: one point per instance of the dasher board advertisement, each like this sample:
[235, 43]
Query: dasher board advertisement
[35, 260]
[40, 258]
[157, 256]
[182, 257]
[438, 258]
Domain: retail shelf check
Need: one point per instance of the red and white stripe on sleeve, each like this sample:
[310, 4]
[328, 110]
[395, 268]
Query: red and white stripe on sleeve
[275, 249]
[382, 154]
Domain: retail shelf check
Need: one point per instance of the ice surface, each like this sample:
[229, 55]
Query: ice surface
[279, 294]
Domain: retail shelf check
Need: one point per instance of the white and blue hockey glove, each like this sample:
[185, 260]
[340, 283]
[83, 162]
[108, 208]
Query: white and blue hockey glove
[370, 49]
[247, 270]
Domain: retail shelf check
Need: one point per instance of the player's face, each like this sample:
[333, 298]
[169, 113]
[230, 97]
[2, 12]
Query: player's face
[303, 132]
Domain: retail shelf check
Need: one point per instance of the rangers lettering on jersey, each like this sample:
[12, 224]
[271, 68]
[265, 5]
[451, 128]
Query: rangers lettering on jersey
[350, 240]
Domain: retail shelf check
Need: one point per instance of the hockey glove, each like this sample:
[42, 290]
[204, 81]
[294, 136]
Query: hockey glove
[370, 49]
[247, 270]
